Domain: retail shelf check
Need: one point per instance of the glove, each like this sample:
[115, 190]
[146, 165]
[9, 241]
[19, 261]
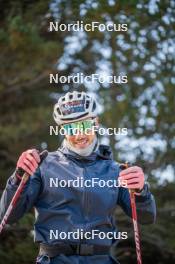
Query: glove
[134, 178]
[28, 161]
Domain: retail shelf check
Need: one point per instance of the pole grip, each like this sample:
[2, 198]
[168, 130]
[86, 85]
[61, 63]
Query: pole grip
[43, 155]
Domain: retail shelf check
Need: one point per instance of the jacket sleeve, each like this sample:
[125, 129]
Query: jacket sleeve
[145, 204]
[26, 199]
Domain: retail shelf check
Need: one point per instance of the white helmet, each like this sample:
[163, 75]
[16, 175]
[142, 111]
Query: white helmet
[74, 106]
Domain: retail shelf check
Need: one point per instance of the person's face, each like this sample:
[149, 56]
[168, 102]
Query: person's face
[82, 140]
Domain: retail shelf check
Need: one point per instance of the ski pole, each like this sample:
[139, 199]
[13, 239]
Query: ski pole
[18, 192]
[135, 222]
[136, 229]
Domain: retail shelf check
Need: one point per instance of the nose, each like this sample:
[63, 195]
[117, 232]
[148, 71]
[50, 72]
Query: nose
[80, 135]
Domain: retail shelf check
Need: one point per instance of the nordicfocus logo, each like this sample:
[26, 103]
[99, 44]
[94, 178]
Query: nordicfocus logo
[84, 183]
[80, 78]
[87, 27]
[80, 234]
[102, 131]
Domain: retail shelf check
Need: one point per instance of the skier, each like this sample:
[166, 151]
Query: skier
[63, 210]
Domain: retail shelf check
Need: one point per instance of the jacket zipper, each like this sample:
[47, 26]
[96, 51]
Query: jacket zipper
[85, 203]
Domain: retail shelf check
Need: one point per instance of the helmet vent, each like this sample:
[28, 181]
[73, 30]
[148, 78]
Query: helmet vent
[94, 106]
[87, 103]
[59, 112]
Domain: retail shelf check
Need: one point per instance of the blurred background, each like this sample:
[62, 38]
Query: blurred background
[144, 105]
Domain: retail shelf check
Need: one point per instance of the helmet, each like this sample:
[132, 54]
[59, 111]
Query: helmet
[74, 106]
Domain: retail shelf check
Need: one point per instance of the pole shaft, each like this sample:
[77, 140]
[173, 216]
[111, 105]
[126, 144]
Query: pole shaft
[14, 201]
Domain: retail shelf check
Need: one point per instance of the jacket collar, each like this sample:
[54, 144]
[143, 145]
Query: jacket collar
[103, 152]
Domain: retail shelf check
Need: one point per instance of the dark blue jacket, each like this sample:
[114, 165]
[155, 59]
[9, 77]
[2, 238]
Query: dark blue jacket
[71, 208]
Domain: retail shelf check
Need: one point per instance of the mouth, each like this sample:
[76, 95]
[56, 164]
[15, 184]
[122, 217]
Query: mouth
[82, 142]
